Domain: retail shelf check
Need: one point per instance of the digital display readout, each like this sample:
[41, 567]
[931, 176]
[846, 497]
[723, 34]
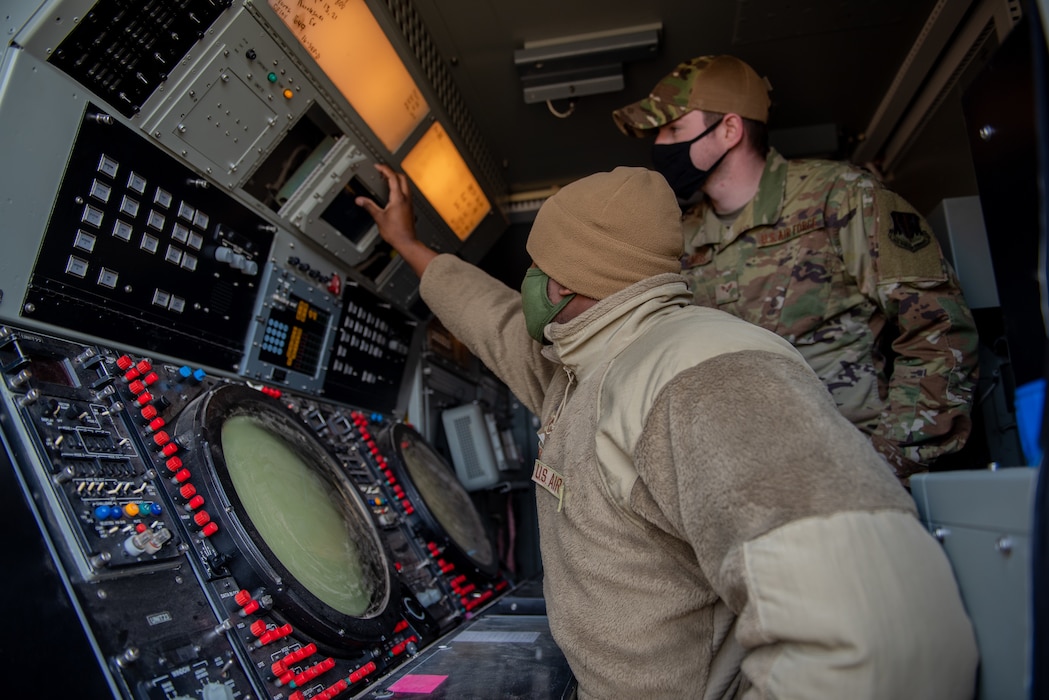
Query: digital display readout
[294, 337]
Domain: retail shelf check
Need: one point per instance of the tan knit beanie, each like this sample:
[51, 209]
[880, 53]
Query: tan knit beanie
[607, 231]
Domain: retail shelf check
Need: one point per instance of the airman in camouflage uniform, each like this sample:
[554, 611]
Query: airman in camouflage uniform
[842, 267]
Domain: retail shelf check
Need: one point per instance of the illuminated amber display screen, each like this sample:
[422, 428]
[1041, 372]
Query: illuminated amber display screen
[293, 509]
[351, 48]
[442, 176]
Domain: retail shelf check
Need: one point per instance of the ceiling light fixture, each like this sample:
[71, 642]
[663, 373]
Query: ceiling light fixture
[586, 64]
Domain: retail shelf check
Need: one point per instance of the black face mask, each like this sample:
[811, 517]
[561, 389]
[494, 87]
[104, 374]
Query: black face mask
[673, 162]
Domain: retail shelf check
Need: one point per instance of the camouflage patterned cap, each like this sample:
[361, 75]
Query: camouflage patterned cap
[710, 83]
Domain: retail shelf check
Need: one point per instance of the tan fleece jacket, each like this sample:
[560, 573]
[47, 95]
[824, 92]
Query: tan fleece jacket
[723, 531]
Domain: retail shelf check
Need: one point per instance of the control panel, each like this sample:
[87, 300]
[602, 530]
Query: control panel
[184, 573]
[203, 352]
[140, 249]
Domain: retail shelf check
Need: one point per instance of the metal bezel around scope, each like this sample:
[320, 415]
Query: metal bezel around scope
[248, 555]
[464, 554]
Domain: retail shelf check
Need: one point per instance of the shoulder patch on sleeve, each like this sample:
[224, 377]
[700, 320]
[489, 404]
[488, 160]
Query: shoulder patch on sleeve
[907, 248]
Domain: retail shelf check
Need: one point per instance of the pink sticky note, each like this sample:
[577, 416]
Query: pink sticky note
[417, 683]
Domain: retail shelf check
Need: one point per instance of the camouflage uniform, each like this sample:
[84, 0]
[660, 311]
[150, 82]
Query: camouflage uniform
[836, 264]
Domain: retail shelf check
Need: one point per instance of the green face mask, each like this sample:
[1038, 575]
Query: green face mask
[538, 309]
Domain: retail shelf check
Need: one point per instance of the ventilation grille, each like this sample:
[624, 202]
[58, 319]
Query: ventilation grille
[523, 212]
[470, 447]
[471, 465]
[419, 41]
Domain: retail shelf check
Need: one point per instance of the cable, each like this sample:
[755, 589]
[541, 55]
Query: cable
[560, 115]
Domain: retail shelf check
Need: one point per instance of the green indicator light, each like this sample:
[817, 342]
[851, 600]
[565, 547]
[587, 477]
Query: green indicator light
[272, 77]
